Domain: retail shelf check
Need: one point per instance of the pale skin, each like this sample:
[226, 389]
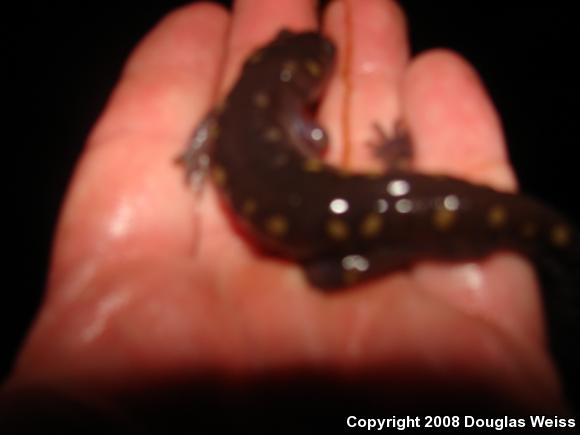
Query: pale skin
[138, 289]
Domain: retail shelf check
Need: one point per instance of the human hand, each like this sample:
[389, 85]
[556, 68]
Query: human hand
[130, 303]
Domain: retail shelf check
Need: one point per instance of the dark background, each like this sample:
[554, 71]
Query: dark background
[62, 62]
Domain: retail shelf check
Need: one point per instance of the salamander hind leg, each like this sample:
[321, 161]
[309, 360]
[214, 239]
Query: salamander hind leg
[395, 150]
[347, 270]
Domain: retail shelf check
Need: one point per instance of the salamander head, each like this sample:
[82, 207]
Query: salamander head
[303, 61]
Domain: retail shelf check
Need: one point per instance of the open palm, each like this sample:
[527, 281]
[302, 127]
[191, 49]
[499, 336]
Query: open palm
[140, 289]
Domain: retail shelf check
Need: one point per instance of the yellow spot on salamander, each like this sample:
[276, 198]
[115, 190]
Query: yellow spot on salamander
[249, 207]
[256, 57]
[288, 71]
[273, 134]
[371, 225]
[443, 219]
[312, 165]
[277, 225]
[337, 229]
[219, 175]
[261, 100]
[496, 216]
[560, 235]
[213, 131]
[313, 68]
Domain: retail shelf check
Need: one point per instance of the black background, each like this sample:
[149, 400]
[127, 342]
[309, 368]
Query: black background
[62, 62]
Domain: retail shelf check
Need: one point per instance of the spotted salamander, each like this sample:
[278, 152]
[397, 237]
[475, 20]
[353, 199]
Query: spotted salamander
[264, 155]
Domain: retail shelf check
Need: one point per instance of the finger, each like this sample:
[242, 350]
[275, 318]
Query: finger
[126, 196]
[454, 125]
[249, 29]
[456, 131]
[409, 334]
[373, 53]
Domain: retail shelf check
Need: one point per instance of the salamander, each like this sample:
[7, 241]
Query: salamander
[264, 154]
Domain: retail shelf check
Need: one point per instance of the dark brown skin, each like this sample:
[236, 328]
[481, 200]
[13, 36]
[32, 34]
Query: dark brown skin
[346, 227]
[268, 170]
[129, 303]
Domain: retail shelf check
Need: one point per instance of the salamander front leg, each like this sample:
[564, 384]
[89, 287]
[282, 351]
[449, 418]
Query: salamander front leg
[395, 150]
[196, 161]
[196, 158]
